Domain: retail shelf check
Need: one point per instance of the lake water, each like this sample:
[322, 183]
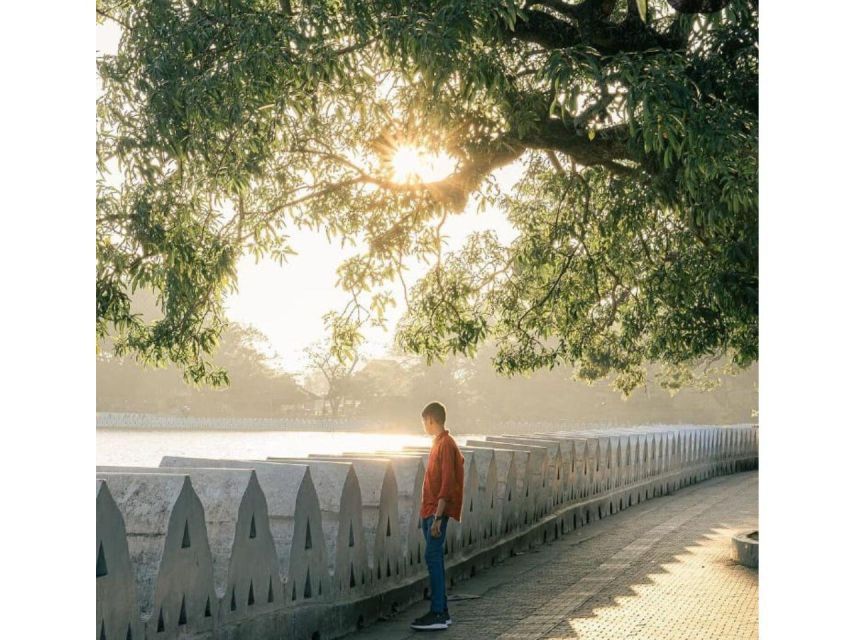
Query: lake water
[145, 447]
[131, 447]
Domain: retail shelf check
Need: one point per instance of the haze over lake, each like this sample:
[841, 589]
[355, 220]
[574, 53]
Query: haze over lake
[147, 447]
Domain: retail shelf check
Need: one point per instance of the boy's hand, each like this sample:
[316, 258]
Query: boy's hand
[435, 529]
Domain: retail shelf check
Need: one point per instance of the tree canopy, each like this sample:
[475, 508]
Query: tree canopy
[223, 123]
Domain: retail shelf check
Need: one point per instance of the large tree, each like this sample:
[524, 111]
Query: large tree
[224, 122]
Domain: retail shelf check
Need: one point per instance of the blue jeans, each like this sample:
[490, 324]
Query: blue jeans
[434, 557]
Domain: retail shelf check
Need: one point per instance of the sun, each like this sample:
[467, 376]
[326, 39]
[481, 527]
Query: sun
[412, 164]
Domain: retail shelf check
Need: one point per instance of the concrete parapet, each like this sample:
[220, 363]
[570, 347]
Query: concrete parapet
[381, 519]
[506, 485]
[576, 453]
[488, 514]
[169, 550]
[409, 472]
[530, 465]
[337, 539]
[245, 564]
[556, 482]
[538, 489]
[294, 520]
[339, 495]
[116, 612]
[597, 452]
[624, 450]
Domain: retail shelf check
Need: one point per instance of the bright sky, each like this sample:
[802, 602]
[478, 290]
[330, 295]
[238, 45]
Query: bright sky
[287, 302]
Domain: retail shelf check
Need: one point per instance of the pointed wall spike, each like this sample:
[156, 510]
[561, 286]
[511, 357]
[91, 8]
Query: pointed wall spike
[185, 541]
[307, 593]
[182, 616]
[308, 544]
[101, 569]
[252, 531]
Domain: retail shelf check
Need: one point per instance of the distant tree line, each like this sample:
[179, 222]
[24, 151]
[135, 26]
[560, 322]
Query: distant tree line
[256, 388]
[392, 390]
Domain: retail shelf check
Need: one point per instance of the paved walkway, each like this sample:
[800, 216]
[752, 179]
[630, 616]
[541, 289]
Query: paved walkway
[657, 571]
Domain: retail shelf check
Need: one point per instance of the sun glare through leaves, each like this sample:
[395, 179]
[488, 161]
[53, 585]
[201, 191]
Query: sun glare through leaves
[411, 164]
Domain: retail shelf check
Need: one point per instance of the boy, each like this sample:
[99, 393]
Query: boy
[442, 499]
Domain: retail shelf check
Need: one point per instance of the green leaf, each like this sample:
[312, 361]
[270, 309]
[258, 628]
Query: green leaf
[641, 9]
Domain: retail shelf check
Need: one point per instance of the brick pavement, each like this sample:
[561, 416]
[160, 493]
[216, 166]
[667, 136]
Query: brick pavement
[657, 571]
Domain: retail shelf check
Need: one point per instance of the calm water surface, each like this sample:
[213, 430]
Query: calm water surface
[146, 447]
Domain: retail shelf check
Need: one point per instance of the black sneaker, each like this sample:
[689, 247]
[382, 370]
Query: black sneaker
[430, 622]
[447, 619]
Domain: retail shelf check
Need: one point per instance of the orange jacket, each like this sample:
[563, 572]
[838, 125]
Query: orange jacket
[445, 474]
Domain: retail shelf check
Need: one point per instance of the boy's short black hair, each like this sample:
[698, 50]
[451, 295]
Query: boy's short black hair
[436, 411]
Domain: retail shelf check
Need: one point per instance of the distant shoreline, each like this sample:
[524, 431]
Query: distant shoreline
[148, 421]
[157, 422]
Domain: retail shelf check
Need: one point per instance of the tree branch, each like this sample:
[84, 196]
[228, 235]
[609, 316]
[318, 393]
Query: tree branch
[609, 144]
[592, 29]
[546, 31]
[588, 10]
[564, 8]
